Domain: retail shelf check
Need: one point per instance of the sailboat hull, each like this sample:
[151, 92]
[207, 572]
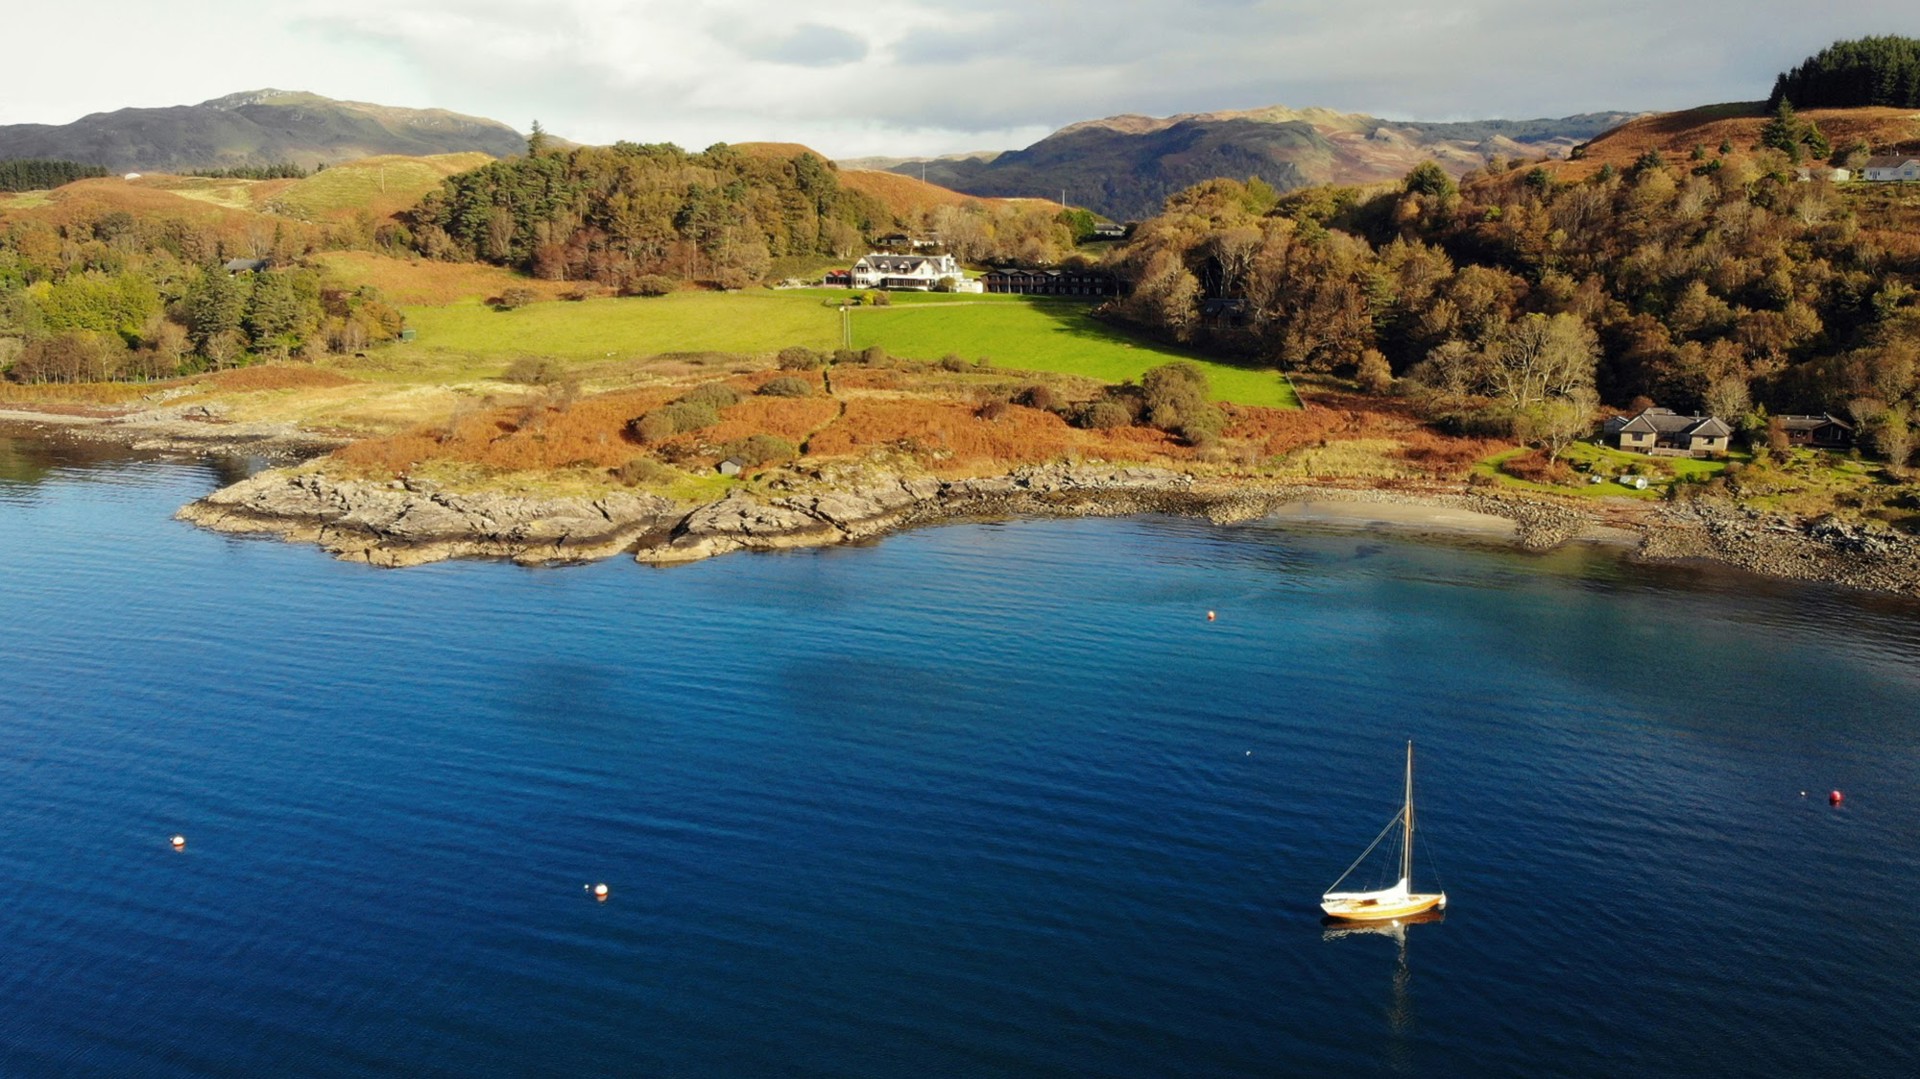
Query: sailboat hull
[1366, 908]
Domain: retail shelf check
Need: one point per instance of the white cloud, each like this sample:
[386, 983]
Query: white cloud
[914, 76]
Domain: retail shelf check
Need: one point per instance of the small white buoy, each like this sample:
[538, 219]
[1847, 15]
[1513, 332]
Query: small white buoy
[1249, 752]
[179, 842]
[1209, 616]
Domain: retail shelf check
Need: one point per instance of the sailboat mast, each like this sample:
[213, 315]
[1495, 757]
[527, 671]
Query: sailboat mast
[1406, 845]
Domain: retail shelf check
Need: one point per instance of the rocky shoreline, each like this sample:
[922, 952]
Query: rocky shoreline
[407, 522]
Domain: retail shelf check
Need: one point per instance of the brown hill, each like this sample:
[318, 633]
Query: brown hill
[1126, 166]
[903, 195]
[906, 196]
[1675, 134]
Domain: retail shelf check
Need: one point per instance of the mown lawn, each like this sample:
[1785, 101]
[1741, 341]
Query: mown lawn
[1591, 459]
[1013, 331]
[1046, 335]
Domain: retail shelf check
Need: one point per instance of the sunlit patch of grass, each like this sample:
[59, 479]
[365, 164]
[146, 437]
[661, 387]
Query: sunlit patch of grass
[1059, 336]
[1361, 458]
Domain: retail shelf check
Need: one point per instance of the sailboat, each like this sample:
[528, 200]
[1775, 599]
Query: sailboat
[1398, 900]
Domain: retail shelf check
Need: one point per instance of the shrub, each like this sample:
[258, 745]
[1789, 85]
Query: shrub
[675, 419]
[655, 426]
[733, 278]
[842, 355]
[646, 470]
[534, 371]
[650, 284]
[717, 395]
[796, 358]
[1176, 400]
[516, 297]
[874, 355]
[1374, 375]
[761, 449]
[787, 386]
[1040, 397]
[953, 362]
[1535, 467]
[994, 410]
[877, 298]
[1105, 414]
[691, 415]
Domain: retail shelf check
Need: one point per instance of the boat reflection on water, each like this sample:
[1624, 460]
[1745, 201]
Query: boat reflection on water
[1393, 928]
[1399, 1012]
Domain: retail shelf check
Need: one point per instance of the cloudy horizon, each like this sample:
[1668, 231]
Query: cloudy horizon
[918, 77]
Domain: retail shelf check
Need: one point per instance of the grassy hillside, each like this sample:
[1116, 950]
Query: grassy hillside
[1676, 133]
[382, 185]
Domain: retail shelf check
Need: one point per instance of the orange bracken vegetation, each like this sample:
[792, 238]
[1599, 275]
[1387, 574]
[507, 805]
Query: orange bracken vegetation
[791, 418]
[276, 376]
[953, 434]
[1339, 418]
[540, 435]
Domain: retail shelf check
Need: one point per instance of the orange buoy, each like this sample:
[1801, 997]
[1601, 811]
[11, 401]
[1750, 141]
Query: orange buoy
[179, 842]
[1836, 798]
[600, 892]
[1209, 616]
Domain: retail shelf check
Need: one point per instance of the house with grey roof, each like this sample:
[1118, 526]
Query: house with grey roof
[1891, 167]
[1825, 431]
[1663, 432]
[918, 272]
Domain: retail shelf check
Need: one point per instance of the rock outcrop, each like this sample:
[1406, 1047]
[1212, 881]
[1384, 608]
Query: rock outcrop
[1821, 549]
[403, 523]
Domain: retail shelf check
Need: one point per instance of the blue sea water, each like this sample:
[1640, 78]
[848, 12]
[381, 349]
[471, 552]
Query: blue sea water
[978, 800]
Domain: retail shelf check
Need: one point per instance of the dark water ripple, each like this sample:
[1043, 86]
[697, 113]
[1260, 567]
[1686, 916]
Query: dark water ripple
[980, 800]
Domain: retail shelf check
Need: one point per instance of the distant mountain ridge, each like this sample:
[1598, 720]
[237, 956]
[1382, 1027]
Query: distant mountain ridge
[256, 127]
[1125, 166]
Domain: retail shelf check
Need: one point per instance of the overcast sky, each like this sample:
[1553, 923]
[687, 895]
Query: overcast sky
[916, 76]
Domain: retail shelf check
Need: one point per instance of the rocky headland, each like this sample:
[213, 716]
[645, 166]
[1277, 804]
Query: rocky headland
[411, 521]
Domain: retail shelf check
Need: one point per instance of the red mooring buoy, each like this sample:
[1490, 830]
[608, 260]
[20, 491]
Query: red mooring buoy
[1836, 798]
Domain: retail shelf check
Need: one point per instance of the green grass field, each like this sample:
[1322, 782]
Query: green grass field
[1591, 459]
[1042, 335]
[1013, 331]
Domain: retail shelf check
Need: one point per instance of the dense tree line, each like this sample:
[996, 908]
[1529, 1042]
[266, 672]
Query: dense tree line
[1519, 301]
[1846, 74]
[284, 170]
[631, 216]
[616, 214]
[108, 295]
[29, 174]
